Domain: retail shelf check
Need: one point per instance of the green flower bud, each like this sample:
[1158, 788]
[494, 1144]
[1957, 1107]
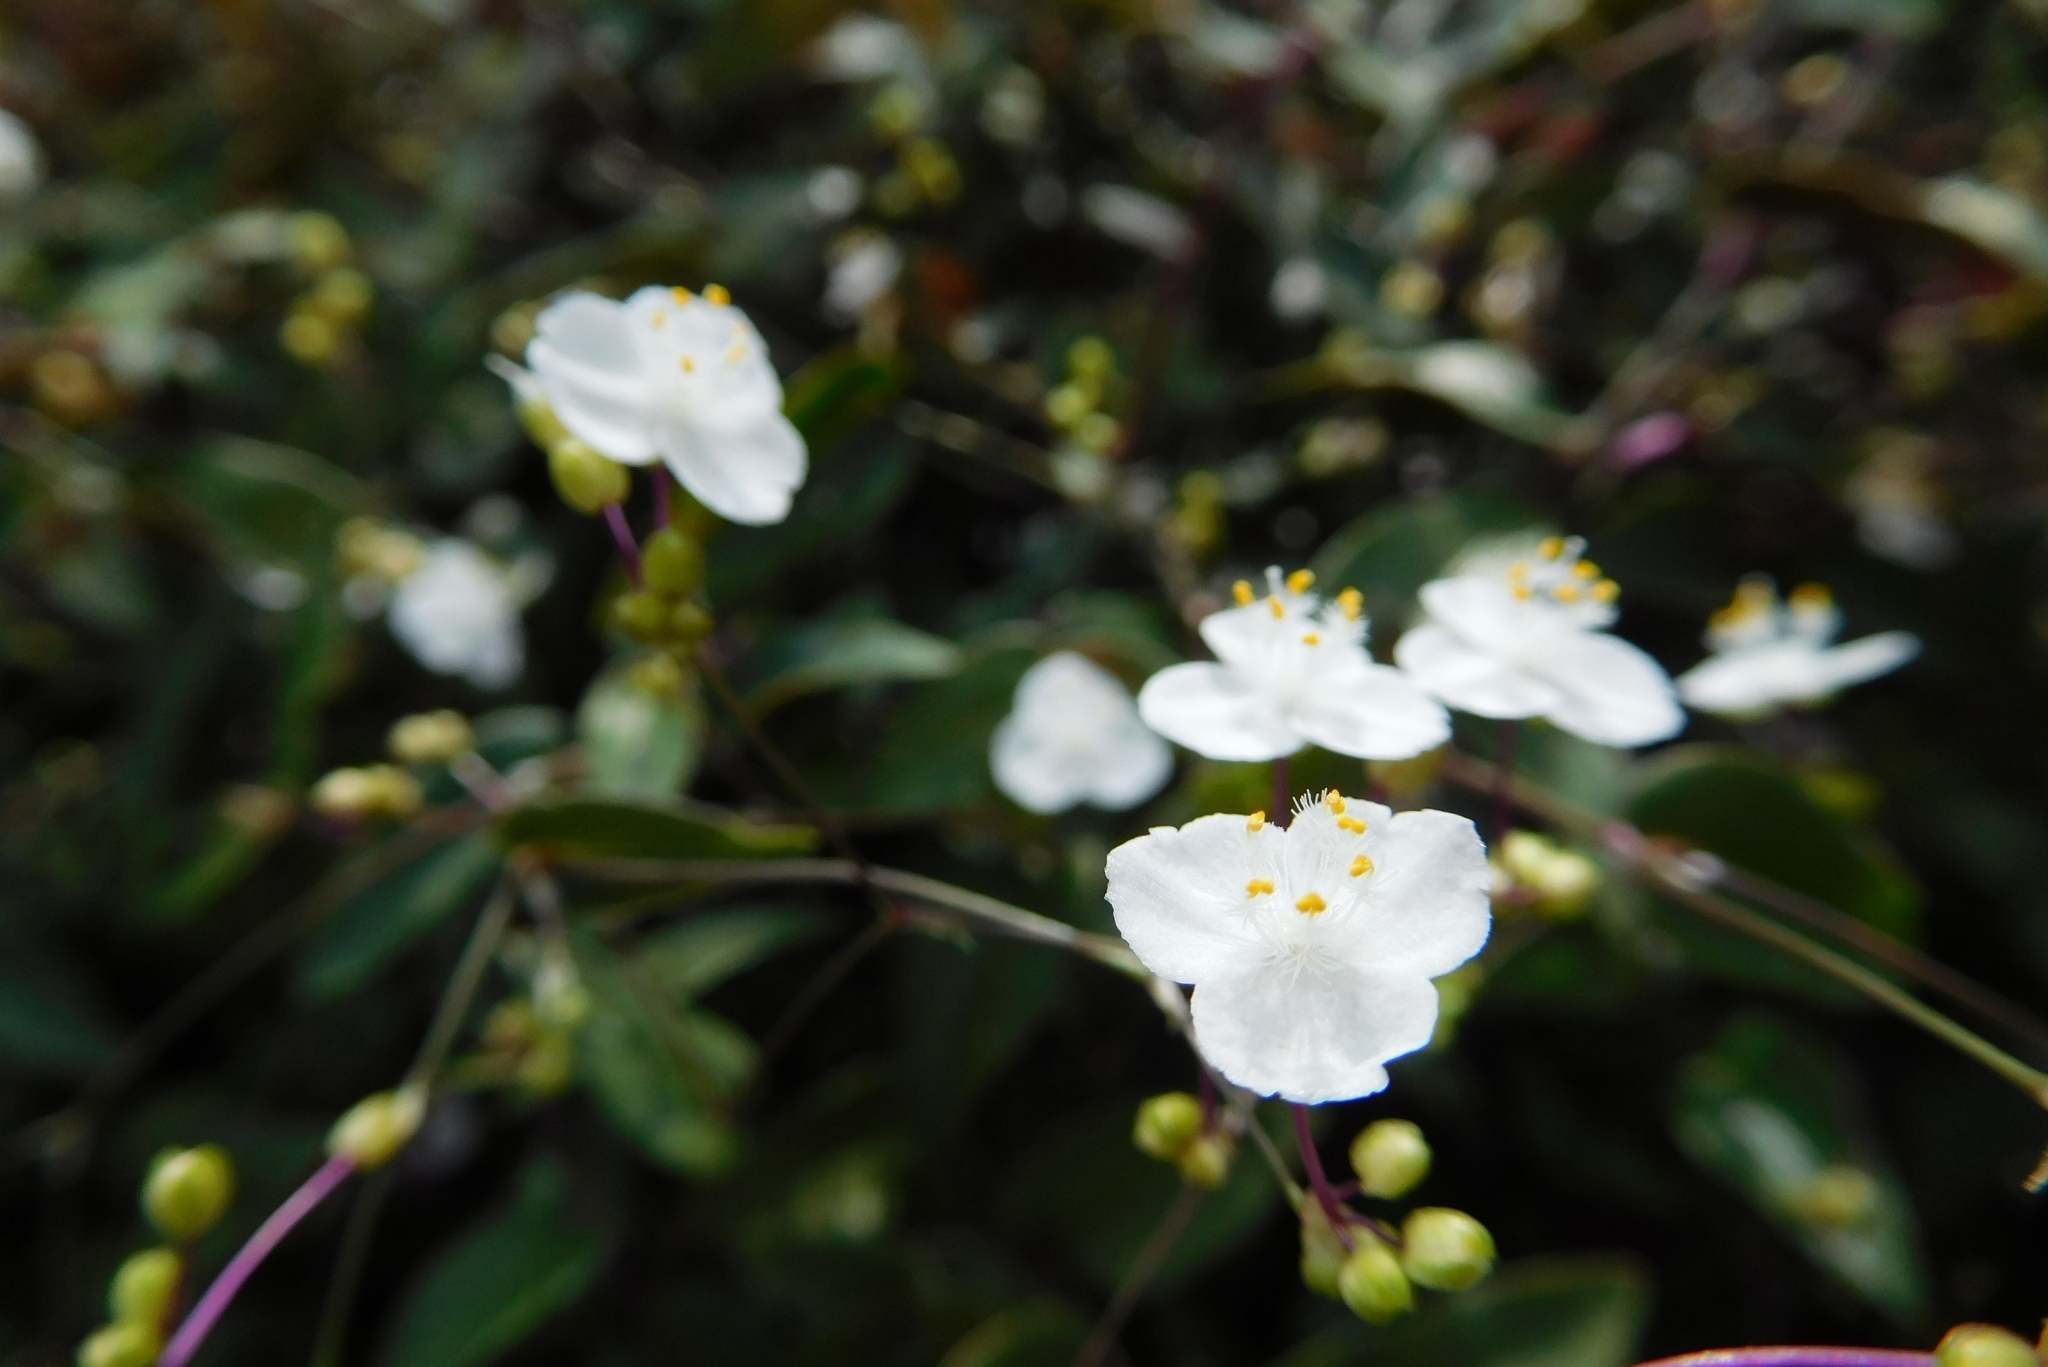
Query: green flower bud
[342, 297]
[641, 615]
[1839, 1196]
[585, 480]
[547, 1066]
[672, 562]
[120, 1345]
[1983, 1345]
[1206, 1162]
[144, 1286]
[188, 1190]
[559, 997]
[1390, 1158]
[688, 623]
[309, 338]
[373, 1131]
[1069, 403]
[317, 241]
[1322, 1252]
[1445, 1250]
[430, 737]
[1372, 1285]
[1099, 432]
[1166, 1125]
[1091, 358]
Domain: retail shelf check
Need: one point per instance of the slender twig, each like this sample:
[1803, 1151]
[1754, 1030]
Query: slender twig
[1799, 1357]
[663, 513]
[622, 537]
[1318, 1181]
[461, 989]
[814, 993]
[1144, 1268]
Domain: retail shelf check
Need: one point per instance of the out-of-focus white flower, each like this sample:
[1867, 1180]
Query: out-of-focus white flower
[1769, 654]
[865, 266]
[863, 47]
[458, 613]
[21, 159]
[1144, 221]
[1311, 948]
[672, 376]
[1300, 288]
[1520, 636]
[1073, 736]
[1291, 670]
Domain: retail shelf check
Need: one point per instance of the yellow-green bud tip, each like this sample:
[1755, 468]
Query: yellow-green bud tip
[1166, 1125]
[1445, 1250]
[1206, 1162]
[188, 1190]
[1322, 1252]
[586, 480]
[430, 737]
[143, 1287]
[120, 1345]
[672, 562]
[1390, 1157]
[1372, 1284]
[1983, 1345]
[374, 1130]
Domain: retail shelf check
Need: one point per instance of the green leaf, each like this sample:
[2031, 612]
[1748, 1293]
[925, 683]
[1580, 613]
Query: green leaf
[848, 495]
[271, 504]
[694, 956]
[1396, 548]
[369, 929]
[592, 827]
[826, 655]
[501, 1280]
[636, 743]
[1038, 1334]
[1768, 1109]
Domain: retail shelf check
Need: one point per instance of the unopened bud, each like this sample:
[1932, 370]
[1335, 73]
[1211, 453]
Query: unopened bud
[1092, 358]
[1445, 1250]
[1983, 1345]
[672, 562]
[1206, 1162]
[431, 737]
[1839, 1196]
[547, 1066]
[120, 1345]
[1372, 1284]
[659, 675]
[1390, 1158]
[358, 794]
[1068, 404]
[688, 623]
[1166, 1125]
[641, 615]
[71, 388]
[318, 242]
[1560, 883]
[1322, 1252]
[343, 297]
[586, 480]
[188, 1190]
[310, 338]
[144, 1286]
[373, 1131]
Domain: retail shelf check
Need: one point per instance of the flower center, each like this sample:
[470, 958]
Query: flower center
[1560, 574]
[1755, 617]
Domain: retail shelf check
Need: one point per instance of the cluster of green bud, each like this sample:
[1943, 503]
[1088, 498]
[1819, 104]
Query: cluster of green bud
[1987, 1345]
[1534, 872]
[376, 1129]
[1372, 1283]
[1444, 1249]
[1077, 406]
[367, 548]
[1391, 1158]
[664, 611]
[1174, 1128]
[324, 322]
[184, 1195]
[369, 793]
[430, 737]
[187, 1191]
[1839, 1196]
[523, 1049]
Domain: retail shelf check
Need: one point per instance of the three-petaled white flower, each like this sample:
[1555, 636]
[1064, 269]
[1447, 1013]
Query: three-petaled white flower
[1768, 654]
[458, 613]
[1073, 736]
[1291, 670]
[677, 377]
[1312, 948]
[1520, 636]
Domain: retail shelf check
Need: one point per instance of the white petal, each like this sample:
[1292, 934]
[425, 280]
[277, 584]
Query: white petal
[1211, 710]
[1745, 682]
[525, 389]
[747, 474]
[1370, 712]
[1037, 776]
[1134, 764]
[1067, 685]
[1614, 694]
[1312, 1036]
[1469, 678]
[1427, 906]
[1179, 895]
[1857, 661]
[1245, 636]
[585, 360]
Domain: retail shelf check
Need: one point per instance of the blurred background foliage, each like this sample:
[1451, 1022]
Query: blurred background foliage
[1725, 285]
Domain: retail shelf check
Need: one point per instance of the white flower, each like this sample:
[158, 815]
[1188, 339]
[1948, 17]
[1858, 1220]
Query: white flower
[1292, 670]
[21, 159]
[864, 268]
[1521, 638]
[1311, 948]
[458, 613]
[1768, 655]
[1073, 736]
[677, 377]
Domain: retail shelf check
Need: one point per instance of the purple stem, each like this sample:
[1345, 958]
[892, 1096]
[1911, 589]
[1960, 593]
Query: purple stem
[661, 508]
[1798, 1357]
[622, 537]
[268, 1236]
[1283, 799]
[1312, 1163]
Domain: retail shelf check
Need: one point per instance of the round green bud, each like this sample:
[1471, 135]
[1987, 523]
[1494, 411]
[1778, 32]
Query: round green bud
[1322, 1252]
[1069, 403]
[688, 623]
[672, 562]
[1372, 1284]
[188, 1190]
[373, 1131]
[144, 1286]
[1983, 1345]
[1445, 1250]
[317, 241]
[342, 297]
[585, 480]
[658, 675]
[1390, 1158]
[120, 1345]
[309, 338]
[641, 615]
[1091, 358]
[1166, 1125]
[547, 1066]
[430, 737]
[1206, 1161]
[1099, 432]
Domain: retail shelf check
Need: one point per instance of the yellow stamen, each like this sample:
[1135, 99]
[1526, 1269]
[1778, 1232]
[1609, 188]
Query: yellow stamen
[718, 294]
[1255, 822]
[1586, 569]
[1279, 608]
[1361, 866]
[1551, 547]
[1311, 905]
[1811, 597]
[1523, 593]
[1606, 591]
[1301, 581]
[1567, 593]
[1335, 800]
[689, 365]
[1353, 604]
[1311, 639]
[1242, 592]
[1259, 887]
[1351, 824]
[1518, 571]
[682, 296]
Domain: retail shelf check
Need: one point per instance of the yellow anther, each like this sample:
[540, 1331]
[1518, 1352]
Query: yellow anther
[1567, 593]
[1361, 866]
[718, 294]
[1335, 800]
[1811, 597]
[1279, 608]
[1353, 604]
[1518, 571]
[1523, 593]
[1311, 905]
[1606, 591]
[1242, 592]
[1551, 547]
[737, 354]
[660, 319]
[1256, 822]
[1586, 569]
[1301, 581]
[689, 365]
[682, 296]
[1351, 824]
[1311, 639]
[1259, 887]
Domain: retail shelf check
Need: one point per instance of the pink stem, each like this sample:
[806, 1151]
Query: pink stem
[1798, 1357]
[661, 508]
[268, 1236]
[622, 537]
[1318, 1181]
